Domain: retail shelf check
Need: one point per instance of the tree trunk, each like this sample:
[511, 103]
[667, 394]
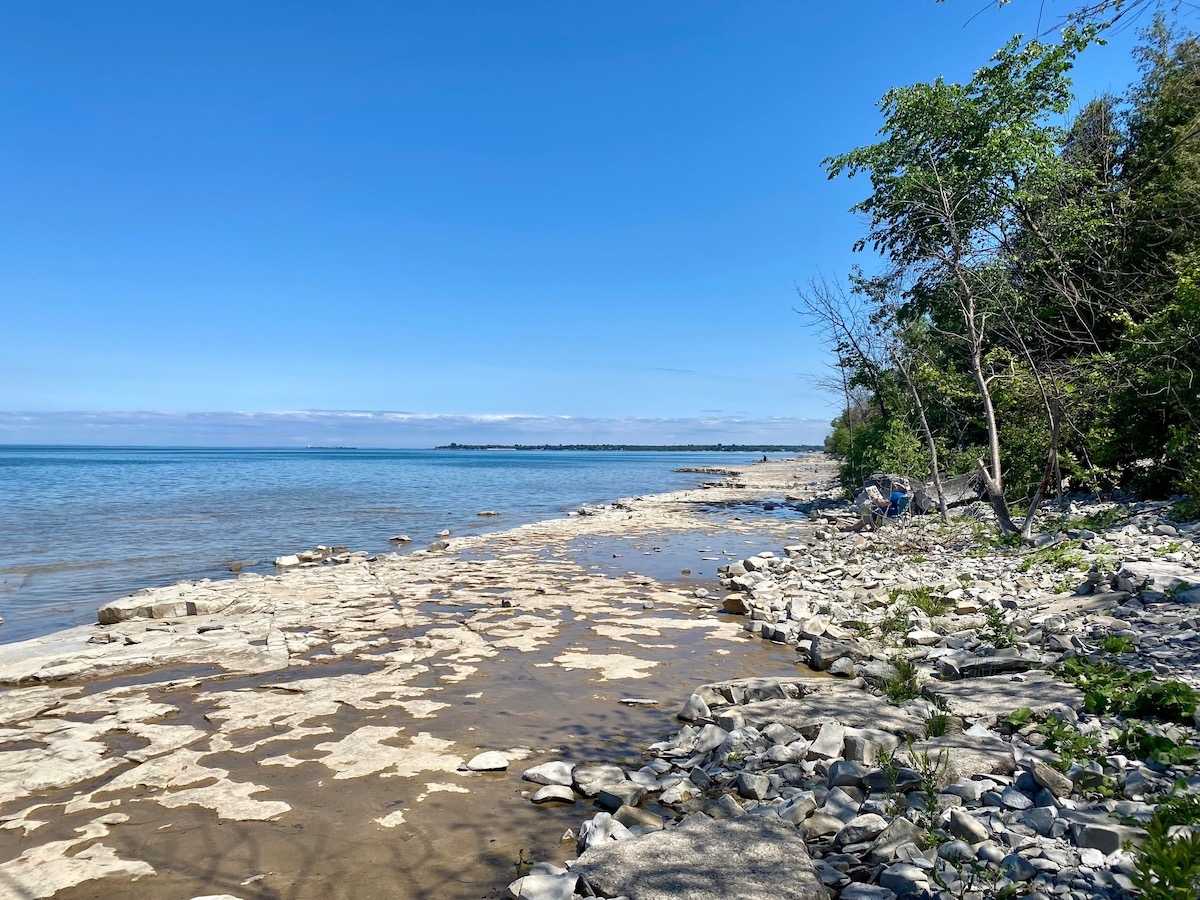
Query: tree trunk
[989, 418]
[930, 444]
[999, 506]
[1051, 468]
[993, 479]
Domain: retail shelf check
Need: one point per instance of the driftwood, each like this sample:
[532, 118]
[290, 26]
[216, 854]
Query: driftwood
[957, 490]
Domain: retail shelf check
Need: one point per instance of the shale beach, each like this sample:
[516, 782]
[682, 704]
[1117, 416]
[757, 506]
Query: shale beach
[734, 451]
[713, 692]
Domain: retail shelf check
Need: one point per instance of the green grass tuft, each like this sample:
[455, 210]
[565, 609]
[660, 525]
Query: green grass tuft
[1064, 557]
[922, 598]
[1069, 742]
[1117, 643]
[903, 686]
[1139, 743]
[1097, 521]
[997, 630]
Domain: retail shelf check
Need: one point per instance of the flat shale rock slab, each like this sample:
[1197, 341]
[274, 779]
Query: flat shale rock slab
[750, 690]
[832, 702]
[748, 858]
[1076, 606]
[961, 757]
[999, 695]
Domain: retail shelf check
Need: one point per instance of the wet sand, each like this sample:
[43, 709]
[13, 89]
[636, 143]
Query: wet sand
[211, 767]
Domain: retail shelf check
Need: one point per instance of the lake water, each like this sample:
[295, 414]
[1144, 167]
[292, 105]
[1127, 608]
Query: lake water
[82, 526]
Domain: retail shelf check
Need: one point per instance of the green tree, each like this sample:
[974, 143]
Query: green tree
[958, 168]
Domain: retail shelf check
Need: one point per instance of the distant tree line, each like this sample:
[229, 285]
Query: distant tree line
[1037, 320]
[670, 448]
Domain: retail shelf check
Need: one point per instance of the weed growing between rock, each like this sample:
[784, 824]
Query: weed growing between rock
[904, 685]
[1069, 742]
[1109, 687]
[1137, 741]
[997, 630]
[1064, 557]
[922, 598]
[1168, 861]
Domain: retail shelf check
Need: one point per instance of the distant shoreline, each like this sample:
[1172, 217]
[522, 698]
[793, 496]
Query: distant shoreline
[658, 448]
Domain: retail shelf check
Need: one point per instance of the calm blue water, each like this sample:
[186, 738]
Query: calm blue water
[81, 526]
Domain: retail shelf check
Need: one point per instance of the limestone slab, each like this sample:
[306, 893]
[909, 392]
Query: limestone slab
[706, 859]
[999, 695]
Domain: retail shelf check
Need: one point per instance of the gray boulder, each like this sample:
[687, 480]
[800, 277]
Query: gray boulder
[966, 826]
[753, 787]
[904, 879]
[861, 828]
[705, 859]
[694, 708]
[600, 830]
[556, 772]
[553, 793]
[591, 778]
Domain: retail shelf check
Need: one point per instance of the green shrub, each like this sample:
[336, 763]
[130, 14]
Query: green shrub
[1173, 701]
[879, 444]
[1071, 744]
[997, 630]
[1135, 741]
[1097, 521]
[1066, 585]
[1111, 688]
[937, 724]
[896, 621]
[1169, 547]
[1180, 807]
[931, 768]
[988, 539]
[890, 767]
[863, 629]
[1064, 557]
[1117, 643]
[1019, 717]
[1167, 867]
[1186, 510]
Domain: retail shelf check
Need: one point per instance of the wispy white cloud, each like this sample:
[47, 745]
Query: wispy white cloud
[392, 428]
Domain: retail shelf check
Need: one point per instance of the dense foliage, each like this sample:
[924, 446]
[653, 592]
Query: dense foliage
[1038, 317]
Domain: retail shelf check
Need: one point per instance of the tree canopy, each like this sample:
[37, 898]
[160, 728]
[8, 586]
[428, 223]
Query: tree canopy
[1037, 316]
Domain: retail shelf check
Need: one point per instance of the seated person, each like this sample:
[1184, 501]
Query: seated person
[898, 500]
[874, 509]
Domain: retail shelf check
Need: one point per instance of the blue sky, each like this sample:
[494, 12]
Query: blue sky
[517, 220]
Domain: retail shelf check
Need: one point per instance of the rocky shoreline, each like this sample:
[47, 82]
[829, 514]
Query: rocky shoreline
[913, 712]
[1001, 722]
[338, 728]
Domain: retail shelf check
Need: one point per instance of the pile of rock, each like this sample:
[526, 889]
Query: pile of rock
[852, 782]
[844, 600]
[321, 555]
[951, 759]
[886, 811]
